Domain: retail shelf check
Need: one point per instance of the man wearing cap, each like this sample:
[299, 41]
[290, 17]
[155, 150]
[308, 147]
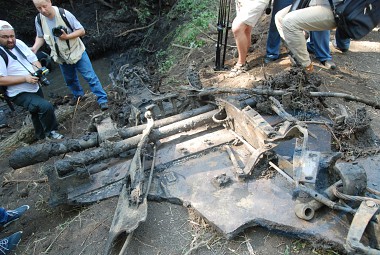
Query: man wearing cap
[17, 67]
[62, 32]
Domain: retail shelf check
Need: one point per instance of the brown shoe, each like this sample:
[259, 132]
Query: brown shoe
[309, 68]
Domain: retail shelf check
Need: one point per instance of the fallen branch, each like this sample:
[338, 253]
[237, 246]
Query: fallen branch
[270, 92]
[135, 29]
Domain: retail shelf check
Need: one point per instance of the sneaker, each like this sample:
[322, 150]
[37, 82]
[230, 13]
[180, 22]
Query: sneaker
[76, 100]
[9, 243]
[13, 215]
[238, 69]
[103, 106]
[267, 60]
[329, 64]
[55, 135]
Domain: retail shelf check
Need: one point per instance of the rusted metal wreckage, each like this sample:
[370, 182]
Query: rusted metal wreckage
[236, 167]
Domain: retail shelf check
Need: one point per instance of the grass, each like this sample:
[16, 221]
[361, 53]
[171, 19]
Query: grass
[198, 15]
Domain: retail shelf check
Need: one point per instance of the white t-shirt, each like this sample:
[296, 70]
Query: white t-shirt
[15, 68]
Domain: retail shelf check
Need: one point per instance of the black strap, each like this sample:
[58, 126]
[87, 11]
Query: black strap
[63, 16]
[23, 55]
[4, 56]
[3, 89]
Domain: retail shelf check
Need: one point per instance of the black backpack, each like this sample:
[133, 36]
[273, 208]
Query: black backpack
[356, 18]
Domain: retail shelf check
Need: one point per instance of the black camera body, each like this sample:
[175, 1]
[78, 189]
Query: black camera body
[40, 73]
[57, 31]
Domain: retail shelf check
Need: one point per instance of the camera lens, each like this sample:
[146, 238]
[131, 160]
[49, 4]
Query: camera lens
[44, 81]
[57, 31]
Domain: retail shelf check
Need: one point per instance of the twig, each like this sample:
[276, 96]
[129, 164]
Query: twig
[329, 128]
[198, 245]
[180, 46]
[135, 29]
[231, 46]
[366, 71]
[249, 246]
[106, 4]
[22, 180]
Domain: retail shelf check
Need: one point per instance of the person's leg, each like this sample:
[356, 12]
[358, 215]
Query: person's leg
[42, 111]
[343, 44]
[274, 39]
[242, 34]
[291, 26]
[320, 43]
[71, 78]
[84, 66]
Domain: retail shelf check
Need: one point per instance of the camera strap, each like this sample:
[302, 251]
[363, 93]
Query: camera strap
[10, 53]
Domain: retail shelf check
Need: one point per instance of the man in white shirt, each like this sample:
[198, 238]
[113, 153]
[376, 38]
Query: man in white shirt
[23, 88]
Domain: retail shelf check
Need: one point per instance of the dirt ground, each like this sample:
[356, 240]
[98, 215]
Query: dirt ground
[171, 228]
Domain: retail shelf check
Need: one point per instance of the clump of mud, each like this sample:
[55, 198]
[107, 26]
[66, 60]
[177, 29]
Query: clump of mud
[296, 100]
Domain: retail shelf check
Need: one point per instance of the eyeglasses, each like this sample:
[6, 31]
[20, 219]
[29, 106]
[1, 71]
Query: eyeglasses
[7, 36]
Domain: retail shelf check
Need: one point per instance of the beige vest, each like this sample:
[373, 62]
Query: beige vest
[70, 51]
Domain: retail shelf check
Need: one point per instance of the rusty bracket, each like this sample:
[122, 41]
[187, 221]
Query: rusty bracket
[364, 214]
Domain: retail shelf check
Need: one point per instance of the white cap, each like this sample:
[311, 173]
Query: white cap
[5, 25]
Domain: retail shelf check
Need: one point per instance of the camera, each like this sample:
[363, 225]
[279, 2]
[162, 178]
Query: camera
[40, 73]
[57, 31]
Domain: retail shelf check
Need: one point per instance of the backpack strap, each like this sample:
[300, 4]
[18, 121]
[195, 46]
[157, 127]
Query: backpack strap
[63, 16]
[4, 56]
[3, 89]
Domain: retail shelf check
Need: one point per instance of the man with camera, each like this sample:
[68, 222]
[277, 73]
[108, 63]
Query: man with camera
[22, 75]
[62, 31]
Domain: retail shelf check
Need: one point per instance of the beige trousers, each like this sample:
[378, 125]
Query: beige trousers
[291, 26]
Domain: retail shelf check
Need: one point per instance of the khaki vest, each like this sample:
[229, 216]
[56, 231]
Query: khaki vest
[70, 51]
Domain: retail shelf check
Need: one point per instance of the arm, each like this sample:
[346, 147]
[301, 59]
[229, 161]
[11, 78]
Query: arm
[36, 65]
[17, 79]
[75, 34]
[39, 41]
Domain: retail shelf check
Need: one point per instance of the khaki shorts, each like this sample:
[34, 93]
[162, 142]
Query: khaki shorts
[249, 11]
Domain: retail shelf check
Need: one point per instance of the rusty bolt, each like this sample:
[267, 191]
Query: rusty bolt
[370, 203]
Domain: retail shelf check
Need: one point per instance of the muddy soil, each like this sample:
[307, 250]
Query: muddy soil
[172, 228]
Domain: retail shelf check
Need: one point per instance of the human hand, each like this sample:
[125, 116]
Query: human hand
[64, 35]
[31, 79]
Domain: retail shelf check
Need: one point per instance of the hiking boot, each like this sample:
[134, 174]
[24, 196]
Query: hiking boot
[329, 64]
[103, 106]
[9, 243]
[238, 69]
[13, 215]
[54, 135]
[76, 100]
